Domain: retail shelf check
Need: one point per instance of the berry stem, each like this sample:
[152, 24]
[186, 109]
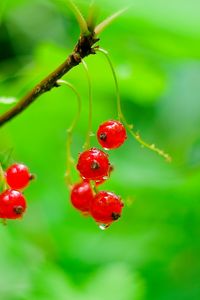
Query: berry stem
[71, 86]
[89, 132]
[122, 118]
[70, 131]
[119, 110]
[4, 222]
[7, 159]
[94, 188]
[3, 183]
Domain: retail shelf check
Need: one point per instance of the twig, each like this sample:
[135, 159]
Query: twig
[82, 49]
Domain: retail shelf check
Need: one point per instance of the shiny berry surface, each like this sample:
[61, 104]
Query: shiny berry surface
[18, 176]
[82, 196]
[106, 207]
[99, 182]
[111, 134]
[93, 164]
[12, 204]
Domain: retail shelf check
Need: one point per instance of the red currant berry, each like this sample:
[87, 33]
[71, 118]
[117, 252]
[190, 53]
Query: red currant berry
[111, 134]
[93, 164]
[18, 176]
[99, 182]
[106, 207]
[82, 196]
[12, 204]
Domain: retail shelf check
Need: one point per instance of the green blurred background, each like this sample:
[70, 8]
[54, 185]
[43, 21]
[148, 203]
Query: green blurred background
[153, 251]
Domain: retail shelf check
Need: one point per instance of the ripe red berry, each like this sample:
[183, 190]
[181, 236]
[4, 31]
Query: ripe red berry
[82, 196]
[111, 134]
[12, 204]
[93, 164]
[99, 182]
[18, 176]
[106, 207]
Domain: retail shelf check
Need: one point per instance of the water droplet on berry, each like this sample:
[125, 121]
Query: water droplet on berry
[105, 177]
[103, 226]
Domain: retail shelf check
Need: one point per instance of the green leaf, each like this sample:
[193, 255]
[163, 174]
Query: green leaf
[100, 27]
[79, 17]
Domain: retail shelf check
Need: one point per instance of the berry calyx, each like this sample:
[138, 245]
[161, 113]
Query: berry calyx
[93, 164]
[82, 196]
[111, 134]
[106, 207]
[12, 204]
[18, 176]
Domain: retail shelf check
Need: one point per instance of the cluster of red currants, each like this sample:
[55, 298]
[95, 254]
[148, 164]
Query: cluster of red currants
[12, 201]
[94, 168]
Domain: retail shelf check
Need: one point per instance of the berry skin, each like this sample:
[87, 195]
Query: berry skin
[12, 204]
[111, 134]
[18, 176]
[93, 164]
[106, 207]
[82, 196]
[99, 182]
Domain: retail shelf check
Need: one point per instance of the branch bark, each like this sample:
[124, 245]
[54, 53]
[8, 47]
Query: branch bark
[82, 49]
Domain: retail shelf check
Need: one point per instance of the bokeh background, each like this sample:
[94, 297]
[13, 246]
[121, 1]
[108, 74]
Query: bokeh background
[153, 251]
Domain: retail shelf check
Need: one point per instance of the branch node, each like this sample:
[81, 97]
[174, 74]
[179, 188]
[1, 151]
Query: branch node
[76, 56]
[56, 84]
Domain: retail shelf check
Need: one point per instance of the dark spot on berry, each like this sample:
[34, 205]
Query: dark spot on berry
[115, 216]
[95, 165]
[18, 209]
[103, 136]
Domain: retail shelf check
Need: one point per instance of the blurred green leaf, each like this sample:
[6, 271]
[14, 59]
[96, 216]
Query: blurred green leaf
[152, 252]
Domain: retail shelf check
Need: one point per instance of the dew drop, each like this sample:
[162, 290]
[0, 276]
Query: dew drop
[105, 177]
[103, 226]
